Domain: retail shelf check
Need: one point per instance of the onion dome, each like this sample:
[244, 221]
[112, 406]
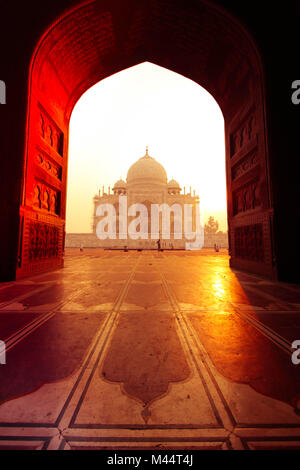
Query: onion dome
[120, 184]
[173, 184]
[146, 168]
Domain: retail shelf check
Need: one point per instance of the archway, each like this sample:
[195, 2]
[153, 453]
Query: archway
[95, 40]
[109, 128]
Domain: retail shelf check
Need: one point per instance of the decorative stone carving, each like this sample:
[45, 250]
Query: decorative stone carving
[243, 135]
[250, 129]
[43, 241]
[58, 141]
[48, 165]
[246, 198]
[249, 242]
[53, 201]
[45, 202]
[244, 166]
[49, 135]
[50, 132]
[37, 196]
[46, 198]
[42, 126]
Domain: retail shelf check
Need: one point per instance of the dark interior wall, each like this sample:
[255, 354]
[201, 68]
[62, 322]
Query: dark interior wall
[275, 26]
[274, 29]
[283, 68]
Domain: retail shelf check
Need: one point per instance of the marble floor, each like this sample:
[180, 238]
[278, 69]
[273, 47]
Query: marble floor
[149, 350]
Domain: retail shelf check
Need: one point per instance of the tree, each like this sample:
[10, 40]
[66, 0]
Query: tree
[211, 227]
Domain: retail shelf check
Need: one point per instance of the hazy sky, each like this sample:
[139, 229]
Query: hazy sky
[145, 105]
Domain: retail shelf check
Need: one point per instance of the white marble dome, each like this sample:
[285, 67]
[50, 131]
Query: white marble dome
[147, 168]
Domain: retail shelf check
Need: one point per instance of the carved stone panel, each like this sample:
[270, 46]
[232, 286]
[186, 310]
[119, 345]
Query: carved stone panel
[43, 241]
[50, 132]
[49, 165]
[46, 198]
[248, 241]
[243, 135]
[246, 198]
[244, 166]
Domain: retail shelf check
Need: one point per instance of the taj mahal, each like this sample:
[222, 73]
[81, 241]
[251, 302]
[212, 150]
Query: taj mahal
[147, 185]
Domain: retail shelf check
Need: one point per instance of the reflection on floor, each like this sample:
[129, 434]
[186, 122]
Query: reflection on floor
[149, 350]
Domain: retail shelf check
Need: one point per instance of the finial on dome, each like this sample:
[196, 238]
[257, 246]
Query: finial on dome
[147, 150]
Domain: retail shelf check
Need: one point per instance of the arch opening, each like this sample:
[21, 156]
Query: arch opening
[109, 128]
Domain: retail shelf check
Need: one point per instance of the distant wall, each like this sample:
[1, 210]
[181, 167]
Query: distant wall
[220, 239]
[89, 240]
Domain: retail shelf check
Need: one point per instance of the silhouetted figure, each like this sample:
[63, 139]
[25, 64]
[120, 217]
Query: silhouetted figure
[158, 244]
[81, 247]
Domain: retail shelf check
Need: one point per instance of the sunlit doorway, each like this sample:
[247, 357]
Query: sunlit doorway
[146, 106]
